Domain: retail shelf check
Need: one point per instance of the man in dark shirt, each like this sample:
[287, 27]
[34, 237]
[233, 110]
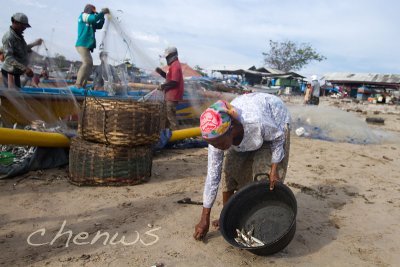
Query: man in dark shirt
[315, 90]
[16, 52]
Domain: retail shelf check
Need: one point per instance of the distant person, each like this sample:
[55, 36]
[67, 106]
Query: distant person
[16, 52]
[104, 72]
[249, 136]
[307, 94]
[173, 85]
[386, 97]
[315, 91]
[88, 22]
[44, 74]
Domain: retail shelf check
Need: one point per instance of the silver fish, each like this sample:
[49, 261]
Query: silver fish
[251, 231]
[247, 239]
[256, 242]
[241, 242]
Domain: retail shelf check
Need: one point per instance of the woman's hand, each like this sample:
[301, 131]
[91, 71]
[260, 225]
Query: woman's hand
[201, 229]
[273, 176]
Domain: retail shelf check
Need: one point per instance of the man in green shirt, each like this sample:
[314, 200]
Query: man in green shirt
[88, 22]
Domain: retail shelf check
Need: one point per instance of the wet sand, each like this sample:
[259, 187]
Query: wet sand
[347, 195]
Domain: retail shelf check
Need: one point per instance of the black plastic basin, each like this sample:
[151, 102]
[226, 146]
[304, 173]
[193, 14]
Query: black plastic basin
[272, 214]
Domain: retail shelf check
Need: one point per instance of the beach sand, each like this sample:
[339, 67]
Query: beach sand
[348, 199]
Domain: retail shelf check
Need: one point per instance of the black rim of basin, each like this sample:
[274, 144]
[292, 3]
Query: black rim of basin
[272, 246]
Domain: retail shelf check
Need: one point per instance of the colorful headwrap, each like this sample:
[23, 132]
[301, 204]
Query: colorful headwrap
[216, 120]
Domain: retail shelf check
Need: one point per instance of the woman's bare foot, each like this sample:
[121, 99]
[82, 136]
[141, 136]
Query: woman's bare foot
[215, 223]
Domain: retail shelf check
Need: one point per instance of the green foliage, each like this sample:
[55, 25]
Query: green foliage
[200, 70]
[61, 62]
[290, 56]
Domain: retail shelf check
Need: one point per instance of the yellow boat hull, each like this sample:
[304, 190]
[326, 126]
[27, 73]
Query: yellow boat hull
[44, 139]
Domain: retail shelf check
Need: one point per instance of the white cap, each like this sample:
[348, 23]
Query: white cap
[314, 78]
[170, 50]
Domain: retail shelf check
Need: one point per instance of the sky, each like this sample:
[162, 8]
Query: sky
[354, 36]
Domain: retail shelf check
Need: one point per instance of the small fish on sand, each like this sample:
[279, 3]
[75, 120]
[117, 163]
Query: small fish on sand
[247, 239]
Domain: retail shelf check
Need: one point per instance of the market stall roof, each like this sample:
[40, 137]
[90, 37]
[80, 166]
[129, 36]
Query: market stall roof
[264, 72]
[267, 70]
[186, 70]
[363, 78]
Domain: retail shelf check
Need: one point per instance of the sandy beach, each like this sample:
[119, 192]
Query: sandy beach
[348, 199]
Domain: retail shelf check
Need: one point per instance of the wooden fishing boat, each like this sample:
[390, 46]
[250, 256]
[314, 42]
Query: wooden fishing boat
[52, 105]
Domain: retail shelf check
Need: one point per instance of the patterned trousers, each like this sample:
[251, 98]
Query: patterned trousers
[241, 168]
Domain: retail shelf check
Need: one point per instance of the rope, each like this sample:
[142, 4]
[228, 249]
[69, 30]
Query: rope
[83, 113]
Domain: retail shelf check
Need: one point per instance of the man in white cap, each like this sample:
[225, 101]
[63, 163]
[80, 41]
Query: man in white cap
[173, 85]
[315, 90]
[16, 52]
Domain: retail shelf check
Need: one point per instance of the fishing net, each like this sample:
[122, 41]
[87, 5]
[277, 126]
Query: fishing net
[121, 99]
[333, 124]
[123, 69]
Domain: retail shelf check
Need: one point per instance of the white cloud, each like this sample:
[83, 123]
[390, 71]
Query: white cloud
[151, 38]
[31, 3]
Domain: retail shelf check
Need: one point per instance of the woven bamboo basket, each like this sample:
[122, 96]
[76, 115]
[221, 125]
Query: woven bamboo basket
[124, 122]
[99, 164]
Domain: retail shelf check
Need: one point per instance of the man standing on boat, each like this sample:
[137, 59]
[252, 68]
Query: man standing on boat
[173, 85]
[88, 22]
[16, 52]
[104, 74]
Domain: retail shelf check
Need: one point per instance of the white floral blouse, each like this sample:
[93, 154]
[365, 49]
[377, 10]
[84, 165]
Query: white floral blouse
[264, 118]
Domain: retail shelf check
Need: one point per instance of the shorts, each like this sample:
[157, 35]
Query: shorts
[242, 168]
[171, 115]
[314, 100]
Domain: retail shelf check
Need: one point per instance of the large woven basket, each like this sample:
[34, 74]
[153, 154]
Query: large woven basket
[124, 122]
[99, 164]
